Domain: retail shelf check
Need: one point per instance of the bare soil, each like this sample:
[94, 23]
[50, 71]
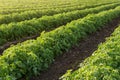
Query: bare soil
[76, 55]
[8, 44]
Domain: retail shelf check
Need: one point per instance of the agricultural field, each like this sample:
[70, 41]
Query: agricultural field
[59, 39]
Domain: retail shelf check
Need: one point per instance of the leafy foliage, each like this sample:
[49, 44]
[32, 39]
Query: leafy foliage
[15, 31]
[104, 64]
[32, 56]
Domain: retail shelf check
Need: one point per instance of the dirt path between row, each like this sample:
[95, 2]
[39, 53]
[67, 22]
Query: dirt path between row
[72, 58]
[8, 44]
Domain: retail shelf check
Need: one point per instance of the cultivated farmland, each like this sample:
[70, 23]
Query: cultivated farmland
[59, 40]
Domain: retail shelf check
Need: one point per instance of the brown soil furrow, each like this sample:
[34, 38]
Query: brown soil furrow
[8, 44]
[72, 58]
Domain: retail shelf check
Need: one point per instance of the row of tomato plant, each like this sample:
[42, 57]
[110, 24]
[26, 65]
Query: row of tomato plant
[49, 5]
[32, 56]
[104, 64]
[16, 31]
[4, 11]
[39, 4]
[27, 15]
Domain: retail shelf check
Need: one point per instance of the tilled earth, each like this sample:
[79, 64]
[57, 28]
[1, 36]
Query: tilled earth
[76, 55]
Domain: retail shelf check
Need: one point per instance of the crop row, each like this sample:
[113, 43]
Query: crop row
[70, 7]
[27, 15]
[32, 56]
[15, 31]
[38, 4]
[21, 10]
[48, 4]
[104, 64]
[15, 10]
